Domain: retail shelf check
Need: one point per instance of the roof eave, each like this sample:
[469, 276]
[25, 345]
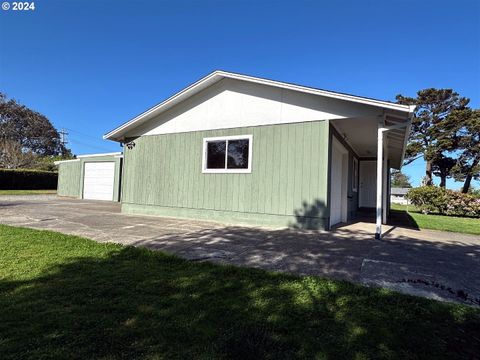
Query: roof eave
[117, 134]
[212, 77]
[407, 133]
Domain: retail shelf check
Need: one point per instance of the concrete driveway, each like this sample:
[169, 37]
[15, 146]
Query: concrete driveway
[439, 265]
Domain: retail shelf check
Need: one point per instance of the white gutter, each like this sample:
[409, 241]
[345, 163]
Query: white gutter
[407, 132]
[97, 155]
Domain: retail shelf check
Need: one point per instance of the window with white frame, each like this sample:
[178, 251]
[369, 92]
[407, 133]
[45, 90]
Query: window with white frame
[228, 154]
[355, 175]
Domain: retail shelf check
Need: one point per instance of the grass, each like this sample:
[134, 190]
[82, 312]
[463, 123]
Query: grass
[65, 296]
[27, 192]
[440, 222]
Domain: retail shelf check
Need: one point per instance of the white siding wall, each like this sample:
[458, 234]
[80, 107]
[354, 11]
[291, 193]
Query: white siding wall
[232, 103]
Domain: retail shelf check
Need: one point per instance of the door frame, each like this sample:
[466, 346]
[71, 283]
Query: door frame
[338, 146]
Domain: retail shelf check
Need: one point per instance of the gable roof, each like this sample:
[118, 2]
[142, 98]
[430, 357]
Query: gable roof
[218, 75]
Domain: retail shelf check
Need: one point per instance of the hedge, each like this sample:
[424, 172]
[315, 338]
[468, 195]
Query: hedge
[433, 199]
[22, 179]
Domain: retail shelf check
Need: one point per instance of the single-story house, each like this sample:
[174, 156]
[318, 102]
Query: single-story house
[399, 195]
[243, 149]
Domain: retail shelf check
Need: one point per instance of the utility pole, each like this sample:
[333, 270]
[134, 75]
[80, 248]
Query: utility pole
[63, 140]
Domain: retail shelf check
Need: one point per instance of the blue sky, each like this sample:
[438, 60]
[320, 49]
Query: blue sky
[91, 65]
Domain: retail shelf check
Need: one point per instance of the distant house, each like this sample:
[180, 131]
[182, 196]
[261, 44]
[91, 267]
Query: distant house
[399, 195]
[242, 149]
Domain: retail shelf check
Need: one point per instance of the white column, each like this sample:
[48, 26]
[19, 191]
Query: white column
[385, 180]
[378, 223]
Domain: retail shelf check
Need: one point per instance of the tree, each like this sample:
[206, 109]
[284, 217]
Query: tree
[442, 167]
[47, 163]
[433, 107]
[399, 179]
[26, 135]
[466, 140]
[32, 130]
[12, 156]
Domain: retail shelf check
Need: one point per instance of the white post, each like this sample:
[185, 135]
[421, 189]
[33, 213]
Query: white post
[378, 228]
[385, 180]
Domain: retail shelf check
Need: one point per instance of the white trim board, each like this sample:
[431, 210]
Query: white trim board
[339, 186]
[98, 155]
[226, 170]
[65, 161]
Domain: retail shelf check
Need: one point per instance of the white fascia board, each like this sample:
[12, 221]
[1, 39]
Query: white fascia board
[157, 109]
[218, 75]
[97, 155]
[64, 161]
[407, 135]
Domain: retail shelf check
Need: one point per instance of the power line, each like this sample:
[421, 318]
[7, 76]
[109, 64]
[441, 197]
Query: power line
[83, 134]
[86, 142]
[89, 145]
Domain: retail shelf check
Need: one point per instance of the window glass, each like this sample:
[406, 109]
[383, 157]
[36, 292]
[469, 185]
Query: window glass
[228, 154]
[237, 154]
[216, 154]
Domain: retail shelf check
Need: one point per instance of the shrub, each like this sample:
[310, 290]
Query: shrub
[433, 199]
[462, 204]
[474, 192]
[27, 180]
[428, 199]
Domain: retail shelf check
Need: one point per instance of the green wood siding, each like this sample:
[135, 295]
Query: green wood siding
[287, 185]
[69, 179]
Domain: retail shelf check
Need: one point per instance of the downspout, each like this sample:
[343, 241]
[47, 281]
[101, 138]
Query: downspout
[122, 173]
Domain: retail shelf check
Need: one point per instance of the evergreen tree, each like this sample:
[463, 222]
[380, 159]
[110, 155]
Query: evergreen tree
[465, 141]
[399, 179]
[428, 125]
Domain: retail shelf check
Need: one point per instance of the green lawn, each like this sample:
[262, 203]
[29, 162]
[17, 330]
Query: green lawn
[27, 192]
[440, 222]
[68, 297]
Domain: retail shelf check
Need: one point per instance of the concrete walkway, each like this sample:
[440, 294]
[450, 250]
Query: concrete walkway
[439, 265]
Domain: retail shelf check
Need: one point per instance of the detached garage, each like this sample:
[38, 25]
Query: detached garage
[94, 177]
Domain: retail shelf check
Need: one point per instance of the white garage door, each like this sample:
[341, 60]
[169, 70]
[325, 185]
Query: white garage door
[98, 180]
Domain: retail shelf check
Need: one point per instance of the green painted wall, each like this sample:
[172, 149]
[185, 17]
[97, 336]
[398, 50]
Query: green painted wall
[69, 178]
[287, 185]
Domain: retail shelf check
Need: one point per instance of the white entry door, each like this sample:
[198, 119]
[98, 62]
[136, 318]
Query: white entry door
[368, 184]
[98, 180]
[338, 181]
